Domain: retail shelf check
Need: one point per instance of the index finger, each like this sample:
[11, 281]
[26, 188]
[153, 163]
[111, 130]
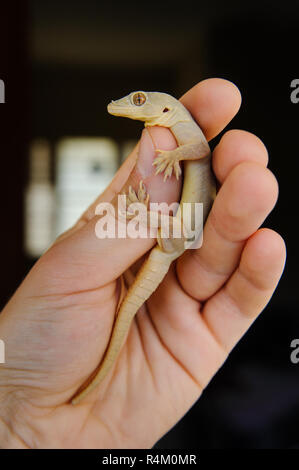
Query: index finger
[213, 103]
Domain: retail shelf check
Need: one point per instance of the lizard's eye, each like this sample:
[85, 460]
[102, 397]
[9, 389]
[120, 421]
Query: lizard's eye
[139, 99]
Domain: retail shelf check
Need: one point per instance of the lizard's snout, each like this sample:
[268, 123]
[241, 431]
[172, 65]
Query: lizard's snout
[111, 107]
[118, 109]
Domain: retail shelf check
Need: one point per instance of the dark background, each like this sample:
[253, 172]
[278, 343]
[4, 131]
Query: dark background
[62, 61]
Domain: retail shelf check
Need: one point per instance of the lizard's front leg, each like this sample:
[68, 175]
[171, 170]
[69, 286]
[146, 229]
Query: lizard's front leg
[168, 160]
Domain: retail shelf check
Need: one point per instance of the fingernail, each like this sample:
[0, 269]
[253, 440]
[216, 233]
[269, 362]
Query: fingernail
[146, 153]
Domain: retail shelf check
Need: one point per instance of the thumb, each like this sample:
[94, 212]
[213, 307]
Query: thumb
[79, 260]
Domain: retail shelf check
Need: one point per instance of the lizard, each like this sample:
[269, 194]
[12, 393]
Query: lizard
[159, 109]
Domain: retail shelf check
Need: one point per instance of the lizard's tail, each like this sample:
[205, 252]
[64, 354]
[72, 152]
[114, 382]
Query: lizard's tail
[150, 275]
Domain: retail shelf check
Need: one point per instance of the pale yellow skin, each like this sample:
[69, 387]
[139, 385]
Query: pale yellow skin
[198, 186]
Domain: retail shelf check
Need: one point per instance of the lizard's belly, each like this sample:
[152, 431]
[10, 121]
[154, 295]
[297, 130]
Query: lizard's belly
[199, 187]
[199, 183]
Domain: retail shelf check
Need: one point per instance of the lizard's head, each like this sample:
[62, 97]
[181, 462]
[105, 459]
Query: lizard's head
[153, 108]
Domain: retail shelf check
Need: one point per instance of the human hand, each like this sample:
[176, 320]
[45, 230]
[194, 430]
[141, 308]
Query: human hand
[57, 325]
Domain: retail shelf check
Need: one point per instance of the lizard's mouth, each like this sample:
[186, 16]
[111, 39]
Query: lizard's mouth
[122, 110]
[117, 110]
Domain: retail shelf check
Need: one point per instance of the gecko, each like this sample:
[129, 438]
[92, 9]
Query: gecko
[160, 109]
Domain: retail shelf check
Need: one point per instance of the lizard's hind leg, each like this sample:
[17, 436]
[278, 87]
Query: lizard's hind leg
[170, 235]
[141, 196]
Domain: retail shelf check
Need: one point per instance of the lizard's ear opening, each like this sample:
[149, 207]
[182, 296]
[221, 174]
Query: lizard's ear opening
[139, 98]
[165, 110]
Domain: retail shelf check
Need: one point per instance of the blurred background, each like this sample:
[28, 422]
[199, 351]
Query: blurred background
[62, 62]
